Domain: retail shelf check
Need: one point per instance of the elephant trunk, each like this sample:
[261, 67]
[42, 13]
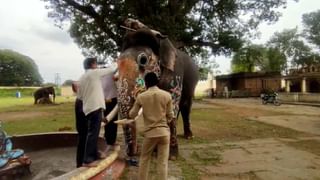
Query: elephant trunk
[128, 72]
[126, 85]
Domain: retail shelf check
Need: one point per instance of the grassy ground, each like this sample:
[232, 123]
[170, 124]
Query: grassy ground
[210, 125]
[21, 116]
[216, 124]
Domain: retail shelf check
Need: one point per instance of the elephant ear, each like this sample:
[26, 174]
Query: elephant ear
[168, 54]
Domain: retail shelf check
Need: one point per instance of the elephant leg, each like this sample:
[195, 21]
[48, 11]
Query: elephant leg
[173, 139]
[185, 108]
[130, 139]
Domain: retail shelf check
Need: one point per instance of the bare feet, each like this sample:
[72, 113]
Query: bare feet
[102, 155]
[92, 164]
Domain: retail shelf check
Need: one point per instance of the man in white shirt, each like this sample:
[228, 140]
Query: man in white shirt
[110, 95]
[81, 125]
[91, 94]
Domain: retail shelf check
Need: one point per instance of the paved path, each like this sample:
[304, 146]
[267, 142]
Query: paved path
[255, 159]
[297, 117]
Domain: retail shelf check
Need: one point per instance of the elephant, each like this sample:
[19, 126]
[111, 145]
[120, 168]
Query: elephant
[43, 94]
[144, 51]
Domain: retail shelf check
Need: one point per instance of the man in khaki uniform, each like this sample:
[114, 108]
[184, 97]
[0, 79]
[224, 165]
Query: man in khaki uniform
[157, 112]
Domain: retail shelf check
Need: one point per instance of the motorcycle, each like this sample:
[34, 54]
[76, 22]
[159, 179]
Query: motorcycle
[270, 98]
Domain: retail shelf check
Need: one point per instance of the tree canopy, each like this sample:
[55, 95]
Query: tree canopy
[312, 27]
[197, 26]
[17, 69]
[247, 58]
[290, 43]
[258, 58]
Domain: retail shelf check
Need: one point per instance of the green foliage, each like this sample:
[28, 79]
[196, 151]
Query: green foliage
[196, 26]
[276, 61]
[312, 27]
[203, 73]
[258, 57]
[248, 58]
[17, 69]
[289, 43]
[206, 65]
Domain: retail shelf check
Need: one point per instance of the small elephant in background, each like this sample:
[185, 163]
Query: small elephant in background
[44, 93]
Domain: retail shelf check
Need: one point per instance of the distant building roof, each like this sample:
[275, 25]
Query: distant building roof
[249, 75]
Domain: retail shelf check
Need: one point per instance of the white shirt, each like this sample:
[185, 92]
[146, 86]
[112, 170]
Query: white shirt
[109, 86]
[90, 89]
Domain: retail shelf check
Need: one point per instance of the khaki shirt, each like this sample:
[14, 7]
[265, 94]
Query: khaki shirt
[157, 111]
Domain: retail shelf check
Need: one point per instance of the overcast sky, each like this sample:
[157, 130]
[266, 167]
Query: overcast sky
[25, 28]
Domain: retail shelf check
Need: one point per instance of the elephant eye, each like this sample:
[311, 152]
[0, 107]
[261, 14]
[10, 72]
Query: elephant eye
[142, 59]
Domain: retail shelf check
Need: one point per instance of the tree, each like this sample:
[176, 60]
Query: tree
[258, 58]
[247, 59]
[289, 43]
[203, 73]
[17, 69]
[312, 27]
[206, 65]
[193, 25]
[276, 61]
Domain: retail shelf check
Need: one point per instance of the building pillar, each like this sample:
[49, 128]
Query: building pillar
[283, 83]
[287, 85]
[210, 81]
[304, 85]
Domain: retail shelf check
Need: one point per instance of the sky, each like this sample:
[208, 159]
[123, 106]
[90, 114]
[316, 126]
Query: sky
[26, 28]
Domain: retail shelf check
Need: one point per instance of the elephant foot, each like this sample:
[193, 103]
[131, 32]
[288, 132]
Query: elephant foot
[188, 134]
[173, 154]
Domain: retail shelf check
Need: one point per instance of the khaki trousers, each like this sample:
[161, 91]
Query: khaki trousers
[149, 144]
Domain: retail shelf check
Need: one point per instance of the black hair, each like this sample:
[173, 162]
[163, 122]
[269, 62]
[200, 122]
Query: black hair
[151, 79]
[87, 63]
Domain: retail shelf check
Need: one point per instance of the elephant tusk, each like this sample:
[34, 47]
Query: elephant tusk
[112, 114]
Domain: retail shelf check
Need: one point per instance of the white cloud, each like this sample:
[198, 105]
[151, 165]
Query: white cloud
[25, 28]
[291, 18]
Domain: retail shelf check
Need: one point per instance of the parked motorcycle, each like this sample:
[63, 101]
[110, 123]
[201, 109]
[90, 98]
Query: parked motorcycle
[271, 98]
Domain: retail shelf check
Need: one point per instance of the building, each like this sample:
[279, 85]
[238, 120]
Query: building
[304, 80]
[246, 84]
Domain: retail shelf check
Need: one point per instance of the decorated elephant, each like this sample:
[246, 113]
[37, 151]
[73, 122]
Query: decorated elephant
[42, 94]
[146, 50]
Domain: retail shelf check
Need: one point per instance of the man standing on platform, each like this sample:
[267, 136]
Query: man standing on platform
[91, 94]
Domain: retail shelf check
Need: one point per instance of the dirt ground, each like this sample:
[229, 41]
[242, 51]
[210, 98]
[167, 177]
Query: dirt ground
[297, 117]
[255, 158]
[261, 158]
[268, 158]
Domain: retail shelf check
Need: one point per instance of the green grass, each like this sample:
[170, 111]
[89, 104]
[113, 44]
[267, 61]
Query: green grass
[11, 92]
[209, 125]
[21, 116]
[216, 124]
[188, 171]
[11, 102]
[207, 157]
